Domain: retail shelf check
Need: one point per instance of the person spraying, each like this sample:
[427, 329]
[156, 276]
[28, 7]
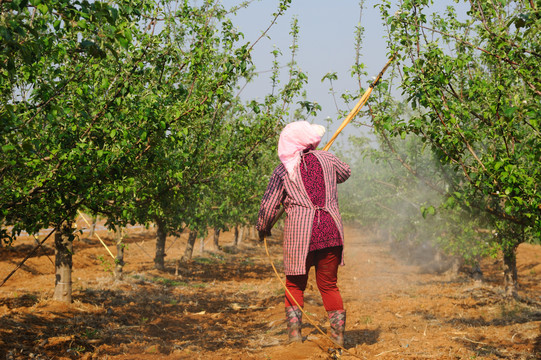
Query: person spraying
[305, 183]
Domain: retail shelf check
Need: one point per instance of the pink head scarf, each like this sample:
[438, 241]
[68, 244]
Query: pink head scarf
[296, 137]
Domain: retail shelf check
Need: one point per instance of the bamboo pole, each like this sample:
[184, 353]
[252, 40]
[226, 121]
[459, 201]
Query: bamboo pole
[359, 105]
[99, 238]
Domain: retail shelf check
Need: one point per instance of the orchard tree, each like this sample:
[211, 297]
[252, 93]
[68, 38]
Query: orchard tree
[214, 173]
[475, 82]
[96, 94]
[395, 181]
[226, 184]
[70, 74]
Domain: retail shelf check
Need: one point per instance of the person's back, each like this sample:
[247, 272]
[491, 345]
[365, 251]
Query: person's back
[325, 233]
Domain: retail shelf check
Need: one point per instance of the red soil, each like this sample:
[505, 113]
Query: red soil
[227, 304]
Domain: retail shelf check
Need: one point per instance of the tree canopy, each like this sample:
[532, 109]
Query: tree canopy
[474, 80]
[124, 108]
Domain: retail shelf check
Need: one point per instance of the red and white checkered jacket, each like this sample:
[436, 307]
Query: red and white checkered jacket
[299, 208]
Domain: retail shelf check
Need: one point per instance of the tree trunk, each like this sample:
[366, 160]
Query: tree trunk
[177, 266]
[119, 260]
[202, 244]
[510, 270]
[188, 253]
[161, 234]
[93, 226]
[216, 238]
[242, 233]
[511, 236]
[236, 241]
[63, 242]
[477, 272]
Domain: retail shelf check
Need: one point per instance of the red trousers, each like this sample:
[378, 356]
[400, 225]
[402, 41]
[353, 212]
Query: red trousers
[326, 262]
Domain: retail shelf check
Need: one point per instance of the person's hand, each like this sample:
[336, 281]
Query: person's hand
[263, 235]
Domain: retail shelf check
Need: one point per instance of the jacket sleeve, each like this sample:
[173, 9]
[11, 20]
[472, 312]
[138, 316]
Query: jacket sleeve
[343, 170]
[273, 197]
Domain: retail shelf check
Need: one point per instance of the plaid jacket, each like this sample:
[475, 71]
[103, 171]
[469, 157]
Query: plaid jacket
[299, 209]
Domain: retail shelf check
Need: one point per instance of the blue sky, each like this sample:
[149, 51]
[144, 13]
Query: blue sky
[326, 44]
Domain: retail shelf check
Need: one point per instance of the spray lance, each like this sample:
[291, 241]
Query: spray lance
[346, 121]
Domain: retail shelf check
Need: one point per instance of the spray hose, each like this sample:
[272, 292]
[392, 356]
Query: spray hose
[346, 121]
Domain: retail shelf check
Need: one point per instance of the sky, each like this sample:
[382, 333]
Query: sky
[326, 44]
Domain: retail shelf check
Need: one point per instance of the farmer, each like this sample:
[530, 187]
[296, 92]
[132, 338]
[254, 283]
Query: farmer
[305, 184]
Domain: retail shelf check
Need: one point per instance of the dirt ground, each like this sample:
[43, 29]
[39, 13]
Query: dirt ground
[227, 304]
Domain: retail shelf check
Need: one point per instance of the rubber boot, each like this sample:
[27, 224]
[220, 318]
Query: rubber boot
[337, 319]
[294, 323]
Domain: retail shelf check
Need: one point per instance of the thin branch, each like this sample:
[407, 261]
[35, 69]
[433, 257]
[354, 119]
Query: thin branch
[42, 105]
[487, 28]
[468, 145]
[469, 44]
[27, 256]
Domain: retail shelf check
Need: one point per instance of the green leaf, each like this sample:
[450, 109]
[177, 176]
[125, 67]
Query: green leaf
[123, 42]
[509, 111]
[43, 8]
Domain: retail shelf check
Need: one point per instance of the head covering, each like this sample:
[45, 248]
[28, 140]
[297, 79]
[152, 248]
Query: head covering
[296, 137]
